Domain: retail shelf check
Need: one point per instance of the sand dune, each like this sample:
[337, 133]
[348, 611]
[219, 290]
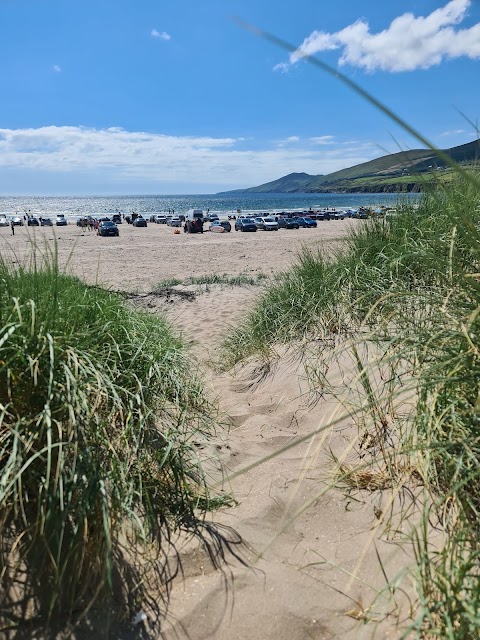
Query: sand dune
[313, 577]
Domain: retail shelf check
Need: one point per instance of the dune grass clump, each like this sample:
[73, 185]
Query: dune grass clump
[410, 287]
[241, 280]
[100, 412]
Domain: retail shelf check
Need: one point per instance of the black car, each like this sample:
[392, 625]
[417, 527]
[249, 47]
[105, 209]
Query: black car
[139, 222]
[33, 222]
[306, 223]
[287, 223]
[245, 224]
[107, 228]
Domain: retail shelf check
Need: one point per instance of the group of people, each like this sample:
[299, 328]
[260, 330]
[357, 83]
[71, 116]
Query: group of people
[193, 226]
[90, 224]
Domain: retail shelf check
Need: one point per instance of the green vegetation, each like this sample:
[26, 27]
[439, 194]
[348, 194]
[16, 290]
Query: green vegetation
[293, 183]
[407, 289]
[241, 280]
[100, 415]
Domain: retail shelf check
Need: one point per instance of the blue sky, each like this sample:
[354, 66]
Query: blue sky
[173, 96]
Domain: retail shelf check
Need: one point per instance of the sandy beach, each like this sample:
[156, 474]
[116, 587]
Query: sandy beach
[310, 552]
[141, 257]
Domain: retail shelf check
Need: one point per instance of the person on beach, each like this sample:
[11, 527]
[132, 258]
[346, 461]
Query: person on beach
[12, 227]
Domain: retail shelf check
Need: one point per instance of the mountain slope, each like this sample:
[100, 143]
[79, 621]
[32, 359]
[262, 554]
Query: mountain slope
[294, 182]
[401, 168]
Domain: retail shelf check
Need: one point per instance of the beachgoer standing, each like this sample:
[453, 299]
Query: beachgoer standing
[12, 227]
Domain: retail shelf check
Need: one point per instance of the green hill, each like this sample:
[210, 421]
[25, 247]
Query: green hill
[293, 183]
[403, 171]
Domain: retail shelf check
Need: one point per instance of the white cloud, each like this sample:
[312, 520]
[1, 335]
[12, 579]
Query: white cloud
[409, 43]
[163, 35]
[453, 132]
[283, 67]
[322, 140]
[293, 139]
[56, 68]
[162, 158]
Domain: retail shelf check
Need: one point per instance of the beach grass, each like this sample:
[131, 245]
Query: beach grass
[407, 289]
[101, 412]
[240, 280]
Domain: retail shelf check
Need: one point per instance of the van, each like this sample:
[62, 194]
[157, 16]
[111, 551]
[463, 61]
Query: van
[194, 221]
[194, 214]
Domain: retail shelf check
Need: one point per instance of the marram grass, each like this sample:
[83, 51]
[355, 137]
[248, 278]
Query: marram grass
[410, 287]
[100, 411]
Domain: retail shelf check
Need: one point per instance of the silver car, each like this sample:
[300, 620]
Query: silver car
[269, 224]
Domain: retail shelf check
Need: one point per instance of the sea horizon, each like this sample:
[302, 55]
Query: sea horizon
[76, 205]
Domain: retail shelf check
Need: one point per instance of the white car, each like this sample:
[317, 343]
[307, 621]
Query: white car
[269, 224]
[4, 222]
[17, 221]
[60, 220]
[160, 219]
[174, 222]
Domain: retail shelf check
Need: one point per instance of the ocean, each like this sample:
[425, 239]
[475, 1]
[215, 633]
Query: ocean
[81, 205]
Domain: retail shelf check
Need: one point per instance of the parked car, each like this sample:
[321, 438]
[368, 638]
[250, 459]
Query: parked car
[60, 220]
[287, 223]
[226, 225]
[245, 224]
[46, 222]
[362, 214]
[194, 220]
[211, 217]
[337, 215]
[160, 219]
[306, 222]
[139, 222]
[33, 222]
[270, 224]
[17, 221]
[117, 218]
[4, 222]
[174, 222]
[107, 228]
[221, 223]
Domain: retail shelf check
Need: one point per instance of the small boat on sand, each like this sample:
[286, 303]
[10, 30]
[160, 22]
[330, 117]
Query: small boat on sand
[217, 228]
